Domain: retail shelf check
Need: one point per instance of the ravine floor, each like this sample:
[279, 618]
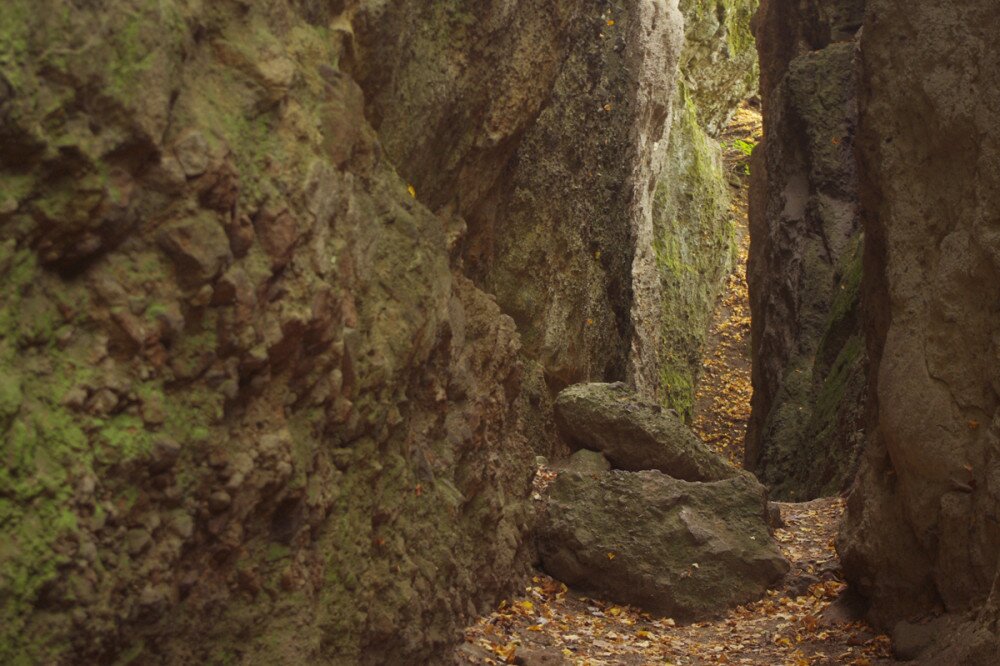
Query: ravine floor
[804, 622]
[794, 625]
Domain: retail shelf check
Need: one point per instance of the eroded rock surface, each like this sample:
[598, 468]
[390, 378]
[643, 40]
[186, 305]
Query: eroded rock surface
[675, 548]
[252, 408]
[804, 274]
[635, 435]
[695, 233]
[921, 530]
[248, 412]
[540, 140]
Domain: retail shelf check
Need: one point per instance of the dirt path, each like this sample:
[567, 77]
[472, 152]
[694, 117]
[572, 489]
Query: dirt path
[794, 625]
[722, 398]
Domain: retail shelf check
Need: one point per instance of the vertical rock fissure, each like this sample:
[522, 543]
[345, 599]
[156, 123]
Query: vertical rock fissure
[809, 366]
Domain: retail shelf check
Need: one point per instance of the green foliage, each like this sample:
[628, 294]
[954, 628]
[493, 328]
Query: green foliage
[743, 146]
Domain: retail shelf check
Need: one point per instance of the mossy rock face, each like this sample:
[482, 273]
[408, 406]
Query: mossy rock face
[719, 62]
[237, 371]
[549, 180]
[695, 235]
[695, 247]
[545, 155]
[814, 432]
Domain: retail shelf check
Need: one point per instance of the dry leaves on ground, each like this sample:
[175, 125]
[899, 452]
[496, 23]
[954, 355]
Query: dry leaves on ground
[550, 624]
[722, 397]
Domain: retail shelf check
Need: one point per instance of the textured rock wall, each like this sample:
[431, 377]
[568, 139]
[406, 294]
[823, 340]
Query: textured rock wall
[804, 271]
[694, 231]
[248, 413]
[540, 139]
[921, 531]
[575, 131]
[252, 409]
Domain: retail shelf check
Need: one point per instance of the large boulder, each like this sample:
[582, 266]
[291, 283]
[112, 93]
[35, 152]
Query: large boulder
[681, 549]
[635, 435]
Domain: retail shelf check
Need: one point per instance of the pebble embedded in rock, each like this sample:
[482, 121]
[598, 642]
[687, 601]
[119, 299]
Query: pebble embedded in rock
[219, 501]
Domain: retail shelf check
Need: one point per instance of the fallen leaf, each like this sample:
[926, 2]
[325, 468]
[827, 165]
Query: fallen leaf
[525, 606]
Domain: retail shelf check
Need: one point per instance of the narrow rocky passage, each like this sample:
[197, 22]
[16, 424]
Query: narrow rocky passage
[804, 621]
[800, 623]
[722, 397]
[295, 294]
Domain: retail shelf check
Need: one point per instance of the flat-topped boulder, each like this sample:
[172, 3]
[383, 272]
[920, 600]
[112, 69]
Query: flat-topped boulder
[585, 462]
[634, 435]
[686, 550]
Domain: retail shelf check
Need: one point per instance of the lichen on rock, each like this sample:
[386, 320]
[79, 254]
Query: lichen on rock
[695, 235]
[237, 370]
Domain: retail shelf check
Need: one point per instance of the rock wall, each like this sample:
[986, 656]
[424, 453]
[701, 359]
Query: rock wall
[540, 139]
[804, 272]
[921, 532]
[248, 411]
[252, 408]
[267, 268]
[578, 130]
[694, 231]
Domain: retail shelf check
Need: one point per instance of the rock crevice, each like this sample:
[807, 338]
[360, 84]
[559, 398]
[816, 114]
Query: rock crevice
[805, 269]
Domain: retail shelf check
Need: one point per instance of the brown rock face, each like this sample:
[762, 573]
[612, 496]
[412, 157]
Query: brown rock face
[921, 530]
[636, 435]
[805, 252]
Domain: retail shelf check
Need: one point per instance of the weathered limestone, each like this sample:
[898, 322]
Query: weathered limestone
[695, 235]
[251, 407]
[248, 412]
[674, 528]
[679, 549]
[804, 272]
[542, 152]
[921, 532]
